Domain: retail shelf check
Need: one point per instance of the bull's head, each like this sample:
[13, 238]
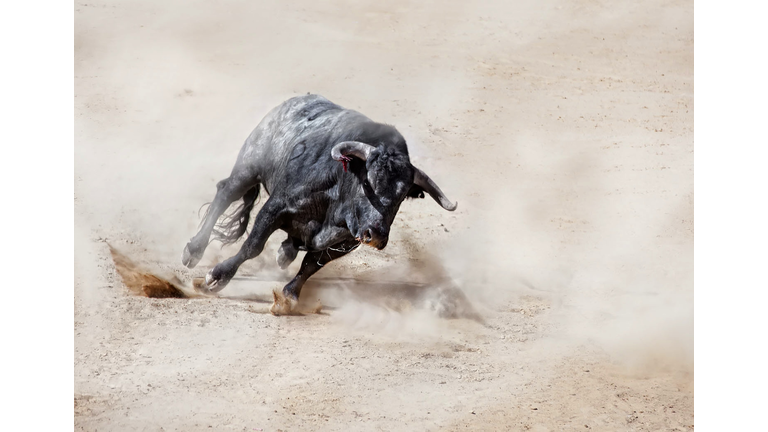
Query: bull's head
[386, 177]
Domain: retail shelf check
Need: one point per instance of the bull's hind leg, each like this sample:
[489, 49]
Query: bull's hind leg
[267, 221]
[238, 185]
[285, 303]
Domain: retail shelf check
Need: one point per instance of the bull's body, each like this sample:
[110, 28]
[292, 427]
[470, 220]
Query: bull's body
[326, 207]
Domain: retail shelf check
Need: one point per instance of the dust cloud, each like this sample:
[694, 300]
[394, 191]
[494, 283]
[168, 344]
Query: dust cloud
[609, 292]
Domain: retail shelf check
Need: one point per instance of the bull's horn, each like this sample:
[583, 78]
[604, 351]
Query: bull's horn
[351, 148]
[422, 180]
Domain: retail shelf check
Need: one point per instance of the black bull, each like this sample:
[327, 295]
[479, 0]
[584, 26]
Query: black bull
[335, 179]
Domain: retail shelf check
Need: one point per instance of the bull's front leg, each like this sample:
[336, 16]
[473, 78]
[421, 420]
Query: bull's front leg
[325, 237]
[267, 221]
[329, 237]
[286, 301]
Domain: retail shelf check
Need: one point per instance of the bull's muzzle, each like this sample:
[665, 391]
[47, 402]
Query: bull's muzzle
[372, 237]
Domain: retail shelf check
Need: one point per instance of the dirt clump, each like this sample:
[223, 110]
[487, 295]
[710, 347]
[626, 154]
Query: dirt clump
[141, 282]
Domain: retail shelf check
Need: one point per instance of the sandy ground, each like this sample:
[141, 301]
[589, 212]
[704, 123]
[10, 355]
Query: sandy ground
[559, 296]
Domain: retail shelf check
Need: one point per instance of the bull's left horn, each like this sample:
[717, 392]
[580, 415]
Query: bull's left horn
[422, 180]
[351, 148]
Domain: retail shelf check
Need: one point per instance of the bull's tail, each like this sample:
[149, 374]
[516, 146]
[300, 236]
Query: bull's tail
[232, 225]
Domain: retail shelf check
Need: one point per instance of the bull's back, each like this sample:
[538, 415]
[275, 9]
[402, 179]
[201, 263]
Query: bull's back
[297, 122]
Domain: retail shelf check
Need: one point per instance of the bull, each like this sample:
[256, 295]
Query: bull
[335, 179]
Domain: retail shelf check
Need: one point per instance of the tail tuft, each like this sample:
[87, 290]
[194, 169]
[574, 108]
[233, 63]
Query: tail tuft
[232, 226]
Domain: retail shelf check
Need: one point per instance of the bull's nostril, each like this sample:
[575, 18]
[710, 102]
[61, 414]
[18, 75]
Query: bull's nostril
[367, 236]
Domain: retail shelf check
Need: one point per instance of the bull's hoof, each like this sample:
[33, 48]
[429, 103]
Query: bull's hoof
[190, 259]
[285, 255]
[283, 305]
[213, 285]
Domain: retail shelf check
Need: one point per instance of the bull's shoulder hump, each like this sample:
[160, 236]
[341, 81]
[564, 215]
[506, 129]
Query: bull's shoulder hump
[306, 101]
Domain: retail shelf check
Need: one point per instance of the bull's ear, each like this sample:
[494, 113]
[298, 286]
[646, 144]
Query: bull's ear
[422, 180]
[415, 192]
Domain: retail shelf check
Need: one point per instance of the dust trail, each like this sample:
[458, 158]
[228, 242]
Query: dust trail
[411, 299]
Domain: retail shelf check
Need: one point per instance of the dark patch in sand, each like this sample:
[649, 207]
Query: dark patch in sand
[142, 283]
